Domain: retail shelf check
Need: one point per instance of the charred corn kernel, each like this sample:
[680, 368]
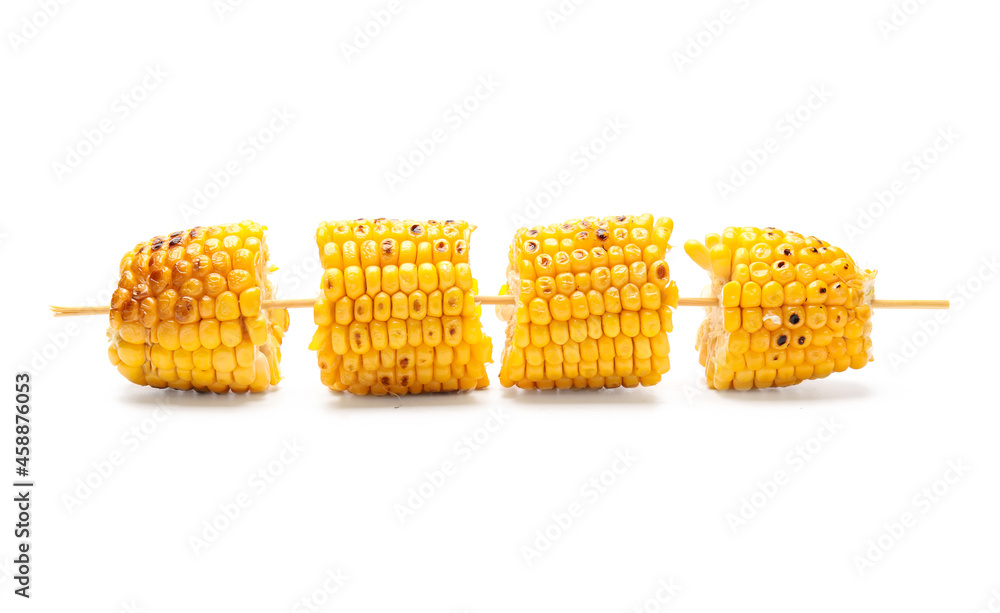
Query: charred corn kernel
[363, 309]
[793, 316]
[596, 299]
[403, 319]
[816, 292]
[198, 293]
[790, 308]
[381, 307]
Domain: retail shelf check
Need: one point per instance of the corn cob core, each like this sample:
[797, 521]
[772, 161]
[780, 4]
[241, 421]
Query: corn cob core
[397, 312]
[187, 312]
[791, 308]
[593, 302]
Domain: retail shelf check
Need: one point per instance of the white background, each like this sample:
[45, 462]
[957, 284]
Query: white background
[902, 420]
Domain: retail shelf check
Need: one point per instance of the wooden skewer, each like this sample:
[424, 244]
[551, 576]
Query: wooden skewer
[307, 303]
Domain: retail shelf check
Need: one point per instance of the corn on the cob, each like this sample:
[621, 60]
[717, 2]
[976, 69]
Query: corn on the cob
[397, 312]
[593, 302]
[187, 312]
[791, 308]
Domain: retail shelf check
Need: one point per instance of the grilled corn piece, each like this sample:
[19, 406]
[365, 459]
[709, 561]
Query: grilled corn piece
[187, 312]
[791, 308]
[397, 312]
[593, 301]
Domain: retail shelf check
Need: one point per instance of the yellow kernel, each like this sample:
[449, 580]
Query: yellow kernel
[257, 329]
[816, 292]
[333, 284]
[538, 311]
[753, 319]
[208, 333]
[721, 257]
[227, 306]
[250, 300]
[795, 293]
[239, 280]
[699, 253]
[354, 281]
[732, 319]
[190, 338]
[231, 333]
[731, 294]
[322, 312]
[363, 309]
[751, 295]
[131, 354]
[223, 359]
[417, 305]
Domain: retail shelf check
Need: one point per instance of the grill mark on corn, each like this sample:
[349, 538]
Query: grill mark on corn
[167, 307]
